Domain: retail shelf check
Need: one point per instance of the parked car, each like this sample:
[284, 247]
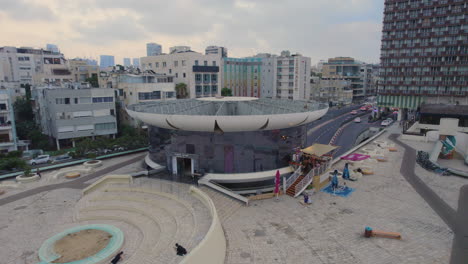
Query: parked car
[357, 120]
[354, 112]
[41, 159]
[386, 122]
[364, 108]
[61, 158]
[29, 154]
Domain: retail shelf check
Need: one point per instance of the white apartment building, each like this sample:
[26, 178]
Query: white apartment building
[292, 76]
[33, 66]
[132, 88]
[75, 111]
[286, 76]
[201, 73]
[8, 139]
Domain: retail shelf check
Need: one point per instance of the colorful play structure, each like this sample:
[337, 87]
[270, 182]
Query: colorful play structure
[445, 148]
[369, 232]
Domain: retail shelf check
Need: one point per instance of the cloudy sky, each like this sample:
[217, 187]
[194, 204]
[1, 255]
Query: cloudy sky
[87, 28]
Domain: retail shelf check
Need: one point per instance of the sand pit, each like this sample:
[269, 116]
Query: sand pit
[80, 245]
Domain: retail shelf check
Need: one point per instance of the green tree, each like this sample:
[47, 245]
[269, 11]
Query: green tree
[23, 110]
[27, 88]
[181, 90]
[226, 92]
[93, 80]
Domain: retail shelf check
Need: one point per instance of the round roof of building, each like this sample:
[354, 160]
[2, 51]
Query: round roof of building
[227, 114]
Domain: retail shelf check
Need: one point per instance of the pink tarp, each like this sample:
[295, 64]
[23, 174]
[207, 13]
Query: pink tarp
[355, 157]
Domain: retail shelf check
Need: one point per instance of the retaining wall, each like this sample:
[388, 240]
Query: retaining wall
[212, 249]
[108, 179]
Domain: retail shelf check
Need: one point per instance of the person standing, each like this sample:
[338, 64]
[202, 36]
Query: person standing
[334, 181]
[38, 172]
[346, 172]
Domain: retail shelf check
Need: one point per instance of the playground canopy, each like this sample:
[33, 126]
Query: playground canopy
[355, 157]
[318, 149]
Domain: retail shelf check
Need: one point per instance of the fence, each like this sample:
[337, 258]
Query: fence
[292, 178]
[299, 188]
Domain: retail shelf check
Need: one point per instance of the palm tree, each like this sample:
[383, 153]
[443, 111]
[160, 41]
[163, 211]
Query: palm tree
[181, 90]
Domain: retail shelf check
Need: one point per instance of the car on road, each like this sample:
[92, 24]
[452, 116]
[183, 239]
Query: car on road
[41, 159]
[354, 112]
[364, 108]
[357, 120]
[387, 122]
[61, 158]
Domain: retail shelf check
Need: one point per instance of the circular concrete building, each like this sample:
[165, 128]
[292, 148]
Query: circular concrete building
[225, 135]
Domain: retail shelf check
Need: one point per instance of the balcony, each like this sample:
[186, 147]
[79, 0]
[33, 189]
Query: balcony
[5, 126]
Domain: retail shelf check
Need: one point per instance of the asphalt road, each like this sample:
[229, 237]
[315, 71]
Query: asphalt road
[326, 131]
[349, 135]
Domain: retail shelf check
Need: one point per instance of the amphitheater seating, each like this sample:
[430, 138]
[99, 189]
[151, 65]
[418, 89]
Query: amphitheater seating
[163, 215]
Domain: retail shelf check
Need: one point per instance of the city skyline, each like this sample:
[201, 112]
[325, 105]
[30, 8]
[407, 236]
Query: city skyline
[319, 29]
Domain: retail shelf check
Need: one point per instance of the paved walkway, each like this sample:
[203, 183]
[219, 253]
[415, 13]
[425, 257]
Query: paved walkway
[76, 184]
[456, 221]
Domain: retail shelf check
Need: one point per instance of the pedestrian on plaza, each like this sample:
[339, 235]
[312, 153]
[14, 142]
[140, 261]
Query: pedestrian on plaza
[117, 258]
[38, 172]
[346, 172]
[181, 251]
[306, 198]
[334, 181]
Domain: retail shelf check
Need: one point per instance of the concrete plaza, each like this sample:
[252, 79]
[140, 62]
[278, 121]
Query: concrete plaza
[330, 230]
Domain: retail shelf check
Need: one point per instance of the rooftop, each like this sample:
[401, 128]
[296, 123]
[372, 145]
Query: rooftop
[443, 109]
[227, 106]
[228, 114]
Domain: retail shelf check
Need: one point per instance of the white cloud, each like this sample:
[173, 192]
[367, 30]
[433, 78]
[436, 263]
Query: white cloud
[319, 29]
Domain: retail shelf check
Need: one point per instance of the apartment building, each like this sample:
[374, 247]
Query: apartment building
[201, 73]
[153, 49]
[75, 111]
[423, 54]
[106, 61]
[81, 70]
[217, 50]
[292, 76]
[136, 62]
[242, 76]
[33, 66]
[358, 73]
[331, 90]
[134, 88]
[8, 138]
[127, 62]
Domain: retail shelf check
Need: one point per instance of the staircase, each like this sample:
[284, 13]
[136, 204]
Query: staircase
[291, 191]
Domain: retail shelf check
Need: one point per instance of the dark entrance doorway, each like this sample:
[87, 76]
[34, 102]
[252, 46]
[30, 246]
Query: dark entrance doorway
[184, 167]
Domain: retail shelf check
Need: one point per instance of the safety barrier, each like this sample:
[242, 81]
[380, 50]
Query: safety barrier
[212, 249]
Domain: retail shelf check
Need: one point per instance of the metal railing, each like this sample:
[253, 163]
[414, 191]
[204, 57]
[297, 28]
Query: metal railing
[309, 177]
[293, 177]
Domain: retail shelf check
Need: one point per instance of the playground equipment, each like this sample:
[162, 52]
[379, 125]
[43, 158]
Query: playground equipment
[369, 232]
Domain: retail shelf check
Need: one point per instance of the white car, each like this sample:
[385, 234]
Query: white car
[357, 120]
[40, 160]
[386, 122]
